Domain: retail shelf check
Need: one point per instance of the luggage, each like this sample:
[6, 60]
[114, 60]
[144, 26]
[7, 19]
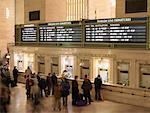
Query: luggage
[81, 103]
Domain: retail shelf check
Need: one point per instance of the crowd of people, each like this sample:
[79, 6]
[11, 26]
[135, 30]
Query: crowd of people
[39, 85]
[5, 80]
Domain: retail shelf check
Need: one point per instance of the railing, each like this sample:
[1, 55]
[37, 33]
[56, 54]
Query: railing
[142, 92]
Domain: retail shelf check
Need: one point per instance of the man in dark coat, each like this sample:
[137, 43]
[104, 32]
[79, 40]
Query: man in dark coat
[54, 82]
[75, 91]
[43, 85]
[15, 75]
[49, 83]
[98, 84]
[87, 86]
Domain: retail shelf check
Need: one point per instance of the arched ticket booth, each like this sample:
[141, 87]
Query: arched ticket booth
[102, 68]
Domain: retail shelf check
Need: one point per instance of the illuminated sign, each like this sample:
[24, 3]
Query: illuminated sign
[28, 34]
[60, 32]
[131, 30]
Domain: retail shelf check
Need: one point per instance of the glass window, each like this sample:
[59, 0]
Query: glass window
[54, 65]
[135, 6]
[144, 76]
[103, 69]
[41, 64]
[34, 15]
[84, 68]
[123, 73]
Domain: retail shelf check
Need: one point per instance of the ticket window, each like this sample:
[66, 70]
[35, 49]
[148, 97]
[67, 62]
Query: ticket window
[41, 64]
[67, 63]
[54, 65]
[84, 68]
[23, 60]
[123, 74]
[144, 76]
[20, 65]
[41, 68]
[103, 69]
[69, 70]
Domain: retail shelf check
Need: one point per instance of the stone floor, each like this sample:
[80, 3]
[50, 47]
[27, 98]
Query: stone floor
[19, 104]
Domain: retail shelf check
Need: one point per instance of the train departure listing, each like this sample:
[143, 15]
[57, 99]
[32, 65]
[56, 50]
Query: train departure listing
[60, 33]
[29, 34]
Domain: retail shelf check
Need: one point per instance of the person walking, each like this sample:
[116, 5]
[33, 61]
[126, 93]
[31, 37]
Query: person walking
[57, 97]
[75, 90]
[35, 90]
[28, 86]
[87, 86]
[98, 84]
[15, 75]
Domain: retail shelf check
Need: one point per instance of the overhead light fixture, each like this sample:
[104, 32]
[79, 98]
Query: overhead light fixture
[7, 13]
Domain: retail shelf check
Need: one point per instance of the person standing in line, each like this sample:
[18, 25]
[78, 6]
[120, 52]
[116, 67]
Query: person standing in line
[75, 91]
[54, 82]
[87, 86]
[65, 90]
[15, 75]
[49, 83]
[43, 85]
[98, 84]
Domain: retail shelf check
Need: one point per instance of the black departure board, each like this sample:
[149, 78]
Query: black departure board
[125, 30]
[29, 34]
[60, 32]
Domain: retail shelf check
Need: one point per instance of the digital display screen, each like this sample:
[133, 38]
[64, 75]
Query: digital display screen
[113, 31]
[60, 32]
[29, 34]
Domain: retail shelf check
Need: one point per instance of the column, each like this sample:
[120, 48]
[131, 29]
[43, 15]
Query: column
[47, 64]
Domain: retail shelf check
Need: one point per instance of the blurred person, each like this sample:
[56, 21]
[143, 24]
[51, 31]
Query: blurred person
[54, 82]
[43, 85]
[87, 86]
[4, 97]
[75, 90]
[35, 90]
[15, 75]
[57, 97]
[98, 84]
[28, 72]
[28, 86]
[65, 90]
[49, 83]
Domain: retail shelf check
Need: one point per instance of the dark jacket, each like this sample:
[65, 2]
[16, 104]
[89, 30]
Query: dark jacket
[65, 88]
[75, 87]
[87, 85]
[42, 83]
[54, 79]
[15, 73]
[98, 83]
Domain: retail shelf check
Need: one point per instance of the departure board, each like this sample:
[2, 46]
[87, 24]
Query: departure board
[29, 34]
[60, 32]
[126, 30]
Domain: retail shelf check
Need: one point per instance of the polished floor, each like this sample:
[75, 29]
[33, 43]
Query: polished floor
[19, 104]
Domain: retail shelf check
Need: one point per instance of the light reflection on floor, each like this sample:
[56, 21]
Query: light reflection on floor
[19, 104]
